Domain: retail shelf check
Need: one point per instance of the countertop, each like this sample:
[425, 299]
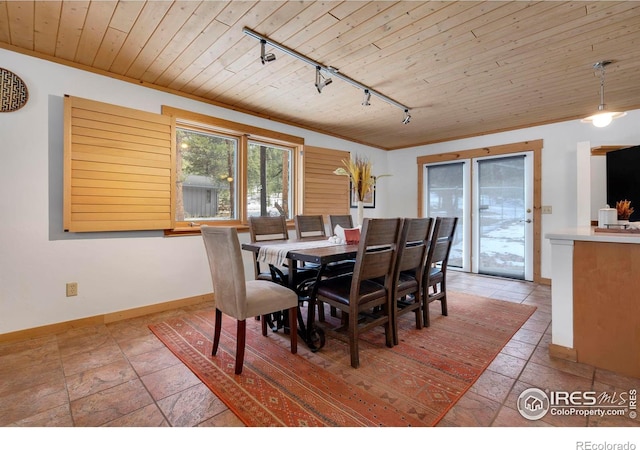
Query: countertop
[589, 234]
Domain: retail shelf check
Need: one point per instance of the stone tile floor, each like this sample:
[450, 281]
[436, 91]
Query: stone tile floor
[120, 375]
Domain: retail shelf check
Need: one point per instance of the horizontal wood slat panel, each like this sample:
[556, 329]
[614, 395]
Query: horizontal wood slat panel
[145, 143]
[120, 216]
[325, 192]
[83, 182]
[104, 200]
[117, 225]
[111, 121]
[119, 168]
[90, 191]
[91, 208]
[106, 142]
[104, 175]
[116, 158]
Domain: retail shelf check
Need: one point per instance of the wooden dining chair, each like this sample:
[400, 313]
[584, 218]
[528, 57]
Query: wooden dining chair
[310, 226]
[366, 295]
[313, 226]
[344, 220]
[409, 270]
[269, 228]
[238, 298]
[434, 287]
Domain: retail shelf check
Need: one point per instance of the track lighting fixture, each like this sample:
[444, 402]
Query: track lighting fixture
[321, 81]
[603, 117]
[265, 57]
[407, 117]
[367, 97]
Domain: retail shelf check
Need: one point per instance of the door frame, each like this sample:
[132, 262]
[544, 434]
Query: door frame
[534, 146]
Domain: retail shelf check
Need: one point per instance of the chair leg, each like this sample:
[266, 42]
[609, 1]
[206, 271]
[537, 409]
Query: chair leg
[264, 325]
[425, 315]
[293, 329]
[394, 311]
[240, 343]
[419, 318]
[425, 307]
[320, 310]
[353, 339]
[443, 300]
[216, 332]
[389, 326]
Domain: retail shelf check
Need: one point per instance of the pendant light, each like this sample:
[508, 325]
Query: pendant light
[603, 117]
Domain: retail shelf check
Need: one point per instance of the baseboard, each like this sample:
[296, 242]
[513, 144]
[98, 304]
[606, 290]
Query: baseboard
[560, 352]
[545, 281]
[61, 327]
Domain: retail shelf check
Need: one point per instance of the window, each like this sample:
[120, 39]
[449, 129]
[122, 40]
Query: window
[126, 169]
[206, 176]
[269, 184]
[227, 172]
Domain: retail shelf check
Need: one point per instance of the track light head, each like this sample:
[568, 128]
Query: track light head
[367, 97]
[265, 57]
[321, 81]
[407, 117]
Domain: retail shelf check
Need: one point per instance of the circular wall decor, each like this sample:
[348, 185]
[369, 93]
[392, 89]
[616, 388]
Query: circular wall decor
[13, 91]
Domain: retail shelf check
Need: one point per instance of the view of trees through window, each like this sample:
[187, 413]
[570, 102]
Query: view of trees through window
[268, 180]
[208, 179]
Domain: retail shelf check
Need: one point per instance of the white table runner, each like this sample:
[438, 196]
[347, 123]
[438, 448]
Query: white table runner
[276, 254]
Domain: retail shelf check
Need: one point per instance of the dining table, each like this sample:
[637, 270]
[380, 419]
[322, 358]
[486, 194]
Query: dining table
[296, 253]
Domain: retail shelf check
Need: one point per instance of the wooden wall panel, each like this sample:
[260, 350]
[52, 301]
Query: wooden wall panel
[119, 168]
[324, 192]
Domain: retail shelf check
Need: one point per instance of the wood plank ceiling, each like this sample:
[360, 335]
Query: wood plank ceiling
[463, 68]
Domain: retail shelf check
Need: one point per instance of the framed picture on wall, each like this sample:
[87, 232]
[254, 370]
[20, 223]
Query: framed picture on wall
[369, 199]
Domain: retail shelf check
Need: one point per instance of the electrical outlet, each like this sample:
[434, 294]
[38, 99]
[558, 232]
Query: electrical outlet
[546, 210]
[72, 289]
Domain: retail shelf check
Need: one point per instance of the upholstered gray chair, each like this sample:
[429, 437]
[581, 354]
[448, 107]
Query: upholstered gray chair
[238, 298]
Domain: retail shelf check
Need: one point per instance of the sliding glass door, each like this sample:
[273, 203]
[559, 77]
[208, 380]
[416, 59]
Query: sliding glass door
[493, 199]
[503, 228]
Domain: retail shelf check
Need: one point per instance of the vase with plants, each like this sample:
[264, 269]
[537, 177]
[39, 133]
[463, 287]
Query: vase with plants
[624, 211]
[358, 169]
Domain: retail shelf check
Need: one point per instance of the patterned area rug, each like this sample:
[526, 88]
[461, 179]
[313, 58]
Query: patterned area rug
[412, 384]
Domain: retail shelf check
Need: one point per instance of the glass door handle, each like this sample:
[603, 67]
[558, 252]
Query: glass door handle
[527, 220]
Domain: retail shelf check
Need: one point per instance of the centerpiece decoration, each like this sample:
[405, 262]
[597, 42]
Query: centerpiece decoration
[624, 210]
[363, 182]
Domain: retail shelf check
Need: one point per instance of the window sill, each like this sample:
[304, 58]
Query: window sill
[194, 231]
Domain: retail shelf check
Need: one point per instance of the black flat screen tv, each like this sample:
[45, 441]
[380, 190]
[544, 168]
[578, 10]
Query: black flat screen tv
[623, 178]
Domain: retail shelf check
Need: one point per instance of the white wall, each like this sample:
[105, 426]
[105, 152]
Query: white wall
[559, 177]
[114, 271]
[119, 271]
